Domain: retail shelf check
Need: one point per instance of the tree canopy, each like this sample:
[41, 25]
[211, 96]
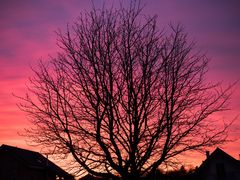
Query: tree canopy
[122, 96]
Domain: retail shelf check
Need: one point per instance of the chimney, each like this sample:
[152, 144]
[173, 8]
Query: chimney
[207, 154]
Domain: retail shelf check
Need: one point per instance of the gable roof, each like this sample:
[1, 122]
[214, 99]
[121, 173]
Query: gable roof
[218, 154]
[33, 160]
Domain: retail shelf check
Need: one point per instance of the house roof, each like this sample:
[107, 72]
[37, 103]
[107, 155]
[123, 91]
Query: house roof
[33, 160]
[218, 154]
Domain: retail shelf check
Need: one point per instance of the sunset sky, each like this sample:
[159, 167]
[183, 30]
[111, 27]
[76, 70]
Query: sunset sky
[27, 34]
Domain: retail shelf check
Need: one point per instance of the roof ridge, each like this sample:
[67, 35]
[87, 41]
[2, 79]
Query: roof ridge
[15, 147]
[222, 151]
[32, 158]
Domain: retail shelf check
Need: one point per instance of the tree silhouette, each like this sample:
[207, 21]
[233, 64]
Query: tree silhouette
[123, 97]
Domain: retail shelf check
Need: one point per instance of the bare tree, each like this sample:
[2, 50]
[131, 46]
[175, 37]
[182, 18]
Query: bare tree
[123, 97]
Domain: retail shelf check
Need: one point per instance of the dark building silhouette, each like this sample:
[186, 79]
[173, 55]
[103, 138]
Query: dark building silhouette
[22, 164]
[219, 166]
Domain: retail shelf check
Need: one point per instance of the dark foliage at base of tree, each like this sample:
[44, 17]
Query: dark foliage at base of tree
[177, 174]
